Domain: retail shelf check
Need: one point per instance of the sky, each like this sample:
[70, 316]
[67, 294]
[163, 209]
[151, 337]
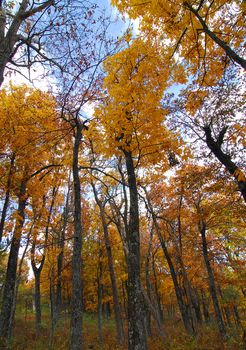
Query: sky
[35, 77]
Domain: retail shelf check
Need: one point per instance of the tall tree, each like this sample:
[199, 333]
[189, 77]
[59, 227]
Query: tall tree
[203, 33]
[24, 112]
[133, 130]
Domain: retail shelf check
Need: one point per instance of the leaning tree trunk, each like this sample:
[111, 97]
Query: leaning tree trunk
[10, 279]
[211, 281]
[228, 50]
[182, 306]
[38, 270]
[137, 339]
[76, 299]
[18, 277]
[6, 200]
[216, 148]
[37, 295]
[116, 303]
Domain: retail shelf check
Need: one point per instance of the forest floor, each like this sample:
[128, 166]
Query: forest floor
[25, 336]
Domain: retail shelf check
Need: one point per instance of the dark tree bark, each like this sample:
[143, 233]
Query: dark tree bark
[9, 36]
[52, 308]
[60, 258]
[18, 278]
[136, 329]
[38, 270]
[228, 50]
[205, 307]
[157, 294]
[10, 279]
[237, 317]
[6, 200]
[76, 299]
[182, 306]
[148, 283]
[225, 159]
[99, 296]
[116, 303]
[211, 282]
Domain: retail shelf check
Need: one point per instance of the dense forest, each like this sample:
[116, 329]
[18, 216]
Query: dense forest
[122, 175]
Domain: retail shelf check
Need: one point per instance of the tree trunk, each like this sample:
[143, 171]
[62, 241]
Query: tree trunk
[237, 317]
[37, 270]
[116, 303]
[76, 299]
[205, 308]
[99, 297]
[18, 278]
[178, 292]
[228, 50]
[148, 284]
[136, 329]
[37, 300]
[211, 282]
[225, 159]
[6, 200]
[158, 299]
[53, 310]
[61, 244]
[9, 40]
[10, 279]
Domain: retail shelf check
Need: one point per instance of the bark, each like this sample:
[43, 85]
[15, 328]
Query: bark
[182, 307]
[136, 329]
[228, 50]
[52, 309]
[197, 305]
[38, 270]
[76, 298]
[148, 284]
[18, 278]
[58, 301]
[158, 298]
[10, 279]
[205, 308]
[37, 301]
[211, 282]
[124, 294]
[192, 305]
[225, 159]
[116, 303]
[60, 258]
[8, 42]
[237, 317]
[37, 273]
[99, 297]
[6, 200]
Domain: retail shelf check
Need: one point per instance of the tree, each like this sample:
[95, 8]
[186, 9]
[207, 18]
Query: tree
[134, 130]
[203, 33]
[213, 115]
[17, 29]
[24, 113]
